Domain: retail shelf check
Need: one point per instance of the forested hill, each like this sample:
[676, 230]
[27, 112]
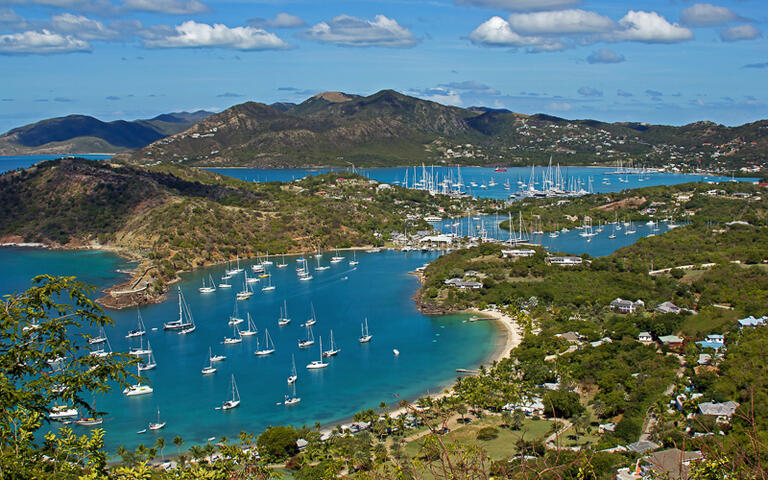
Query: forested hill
[389, 128]
[75, 134]
[176, 218]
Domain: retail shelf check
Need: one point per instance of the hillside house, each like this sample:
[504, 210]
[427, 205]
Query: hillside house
[645, 337]
[668, 307]
[626, 306]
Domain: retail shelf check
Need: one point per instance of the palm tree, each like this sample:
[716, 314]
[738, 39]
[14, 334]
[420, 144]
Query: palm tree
[160, 444]
[178, 441]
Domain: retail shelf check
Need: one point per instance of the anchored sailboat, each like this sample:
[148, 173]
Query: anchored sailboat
[208, 289]
[235, 402]
[140, 329]
[252, 330]
[210, 368]
[337, 258]
[332, 351]
[365, 336]
[309, 341]
[182, 323]
[313, 319]
[150, 364]
[291, 399]
[157, 425]
[284, 320]
[269, 345]
[293, 377]
[316, 364]
[235, 319]
[137, 389]
[236, 338]
[354, 259]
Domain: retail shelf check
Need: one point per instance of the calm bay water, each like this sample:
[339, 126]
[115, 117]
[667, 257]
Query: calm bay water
[362, 376]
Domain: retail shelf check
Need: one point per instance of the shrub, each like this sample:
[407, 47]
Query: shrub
[487, 433]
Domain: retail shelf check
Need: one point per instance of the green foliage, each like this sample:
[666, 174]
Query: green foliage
[487, 433]
[277, 443]
[562, 404]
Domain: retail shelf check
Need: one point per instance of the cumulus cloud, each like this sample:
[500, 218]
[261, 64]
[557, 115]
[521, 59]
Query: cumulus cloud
[440, 95]
[281, 20]
[590, 92]
[623, 93]
[559, 106]
[191, 34]
[473, 87]
[707, 15]
[174, 7]
[497, 32]
[648, 27]
[9, 18]
[82, 27]
[358, 32]
[740, 32]
[43, 42]
[605, 56]
[520, 5]
[561, 22]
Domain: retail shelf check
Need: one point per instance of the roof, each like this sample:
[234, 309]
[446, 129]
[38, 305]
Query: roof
[708, 344]
[642, 446]
[718, 409]
[644, 334]
[670, 339]
[672, 462]
[667, 307]
[751, 321]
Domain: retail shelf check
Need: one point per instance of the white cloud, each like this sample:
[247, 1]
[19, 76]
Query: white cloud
[560, 106]
[82, 27]
[648, 27]
[605, 56]
[560, 22]
[43, 42]
[590, 92]
[191, 34]
[520, 5]
[444, 96]
[8, 16]
[473, 87]
[357, 32]
[281, 20]
[497, 32]
[740, 32]
[102, 7]
[175, 7]
[707, 15]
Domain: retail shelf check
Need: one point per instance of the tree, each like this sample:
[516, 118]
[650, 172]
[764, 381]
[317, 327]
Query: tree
[43, 363]
[178, 441]
[277, 443]
[160, 445]
[562, 404]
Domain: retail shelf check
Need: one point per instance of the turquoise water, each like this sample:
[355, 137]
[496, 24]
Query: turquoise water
[362, 376]
[600, 178]
[8, 163]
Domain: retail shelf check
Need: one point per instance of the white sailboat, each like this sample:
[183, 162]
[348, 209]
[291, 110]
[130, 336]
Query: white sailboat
[207, 289]
[215, 358]
[282, 264]
[291, 399]
[332, 351]
[245, 293]
[104, 351]
[236, 338]
[210, 368]
[269, 345]
[62, 411]
[309, 341]
[304, 273]
[317, 364]
[100, 338]
[150, 364]
[293, 377]
[182, 323]
[235, 271]
[337, 258]
[137, 389]
[141, 329]
[269, 287]
[140, 350]
[230, 404]
[320, 268]
[284, 319]
[365, 336]
[354, 259]
[266, 260]
[225, 283]
[235, 319]
[252, 330]
[157, 425]
[313, 319]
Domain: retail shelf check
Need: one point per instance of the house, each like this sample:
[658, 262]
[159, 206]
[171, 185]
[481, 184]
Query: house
[704, 359]
[519, 252]
[723, 411]
[715, 342]
[570, 337]
[645, 337]
[672, 464]
[463, 285]
[565, 261]
[642, 446]
[626, 306]
[603, 340]
[527, 405]
[671, 340]
[668, 307]
[606, 427]
[751, 321]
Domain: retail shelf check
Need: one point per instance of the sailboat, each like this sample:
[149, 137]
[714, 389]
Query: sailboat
[336, 258]
[89, 421]
[236, 338]
[150, 364]
[252, 330]
[316, 364]
[104, 351]
[283, 320]
[313, 319]
[101, 338]
[309, 341]
[291, 399]
[230, 404]
[215, 358]
[245, 294]
[234, 319]
[210, 288]
[332, 351]
[235, 271]
[210, 368]
[365, 336]
[304, 273]
[182, 323]
[293, 377]
[269, 287]
[269, 345]
[140, 329]
[157, 425]
[354, 259]
[225, 283]
[282, 264]
[137, 389]
[266, 260]
[320, 268]
[141, 350]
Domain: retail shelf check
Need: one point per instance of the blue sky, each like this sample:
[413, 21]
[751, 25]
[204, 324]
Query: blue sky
[659, 61]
